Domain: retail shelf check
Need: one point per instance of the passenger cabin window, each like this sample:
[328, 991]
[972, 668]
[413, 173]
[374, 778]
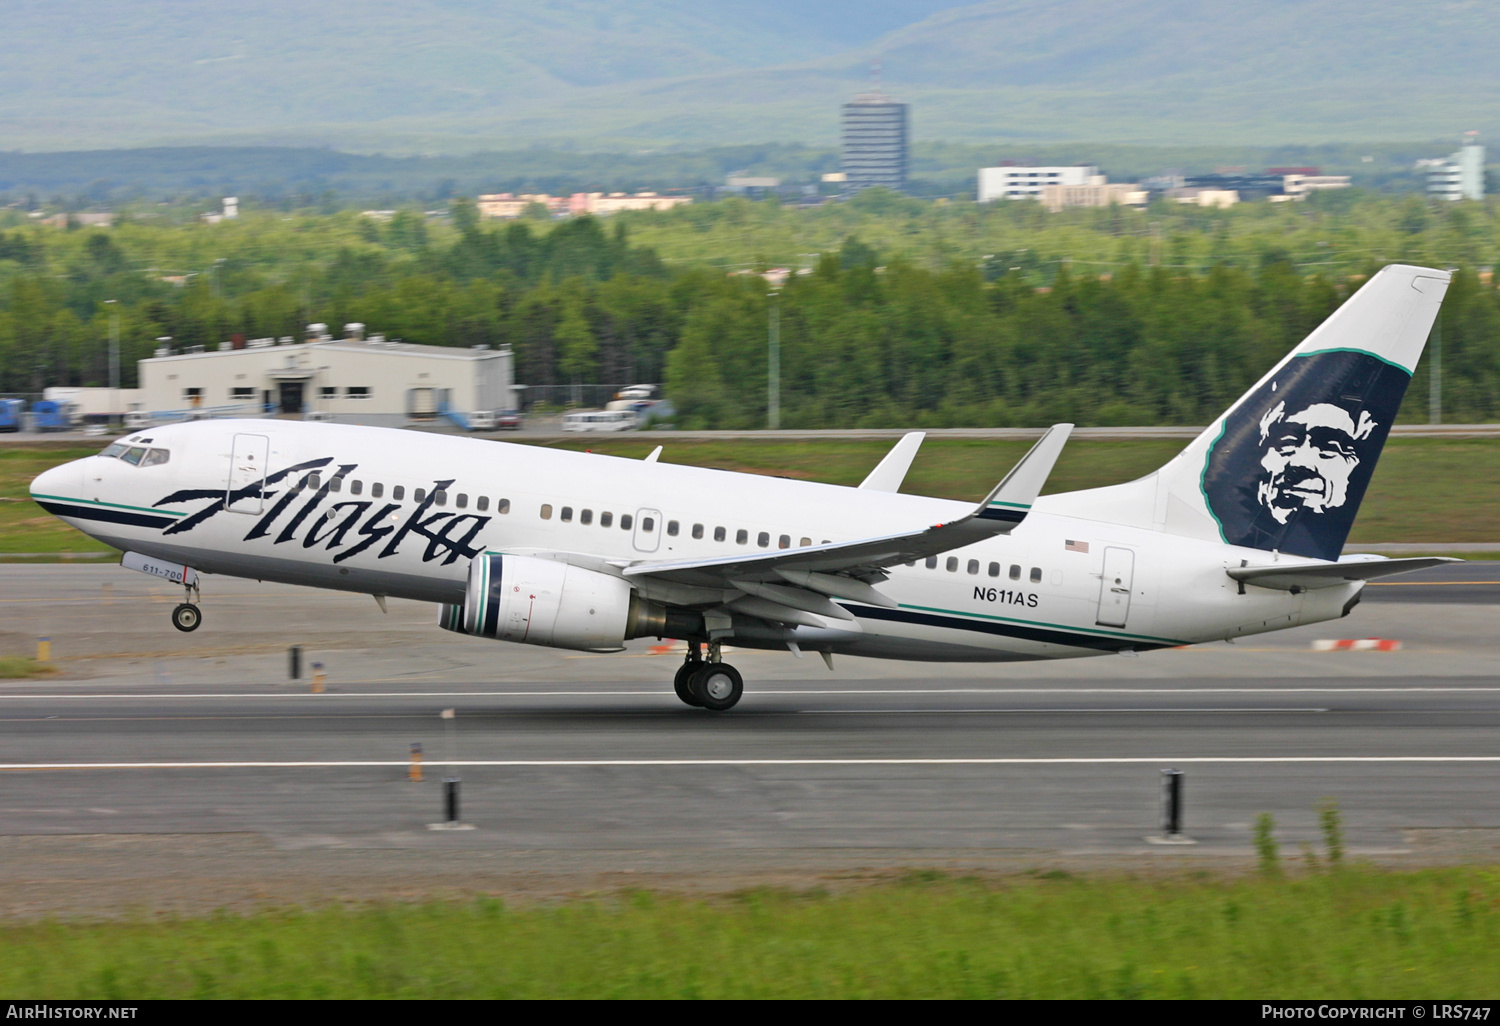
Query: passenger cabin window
[503, 506]
[672, 528]
[314, 481]
[356, 487]
[784, 542]
[973, 566]
[155, 457]
[586, 516]
[377, 490]
[697, 531]
[566, 516]
[1036, 575]
[763, 539]
[606, 519]
[462, 501]
[953, 564]
[648, 524]
[994, 569]
[741, 536]
[335, 484]
[398, 492]
[718, 534]
[482, 503]
[625, 521]
[806, 542]
[440, 497]
[546, 511]
[932, 562]
[419, 494]
[1015, 572]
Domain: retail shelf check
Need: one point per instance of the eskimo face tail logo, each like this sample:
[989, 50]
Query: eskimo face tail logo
[1294, 459]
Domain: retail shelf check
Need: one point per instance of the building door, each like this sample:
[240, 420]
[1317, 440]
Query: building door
[421, 404]
[1114, 587]
[247, 472]
[647, 530]
[291, 397]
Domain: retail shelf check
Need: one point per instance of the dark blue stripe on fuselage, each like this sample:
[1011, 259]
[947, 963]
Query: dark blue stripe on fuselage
[1100, 643]
[105, 514]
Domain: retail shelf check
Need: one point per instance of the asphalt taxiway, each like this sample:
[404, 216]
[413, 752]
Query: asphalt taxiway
[153, 751]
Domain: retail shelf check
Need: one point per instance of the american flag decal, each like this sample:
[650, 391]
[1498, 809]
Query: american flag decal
[1075, 546]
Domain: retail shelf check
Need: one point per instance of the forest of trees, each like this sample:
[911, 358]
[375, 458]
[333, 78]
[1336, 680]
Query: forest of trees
[942, 316]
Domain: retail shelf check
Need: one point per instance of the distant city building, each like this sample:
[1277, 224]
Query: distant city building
[1298, 185]
[875, 142]
[83, 220]
[504, 205]
[1461, 176]
[1015, 182]
[1200, 197]
[1096, 192]
[746, 184]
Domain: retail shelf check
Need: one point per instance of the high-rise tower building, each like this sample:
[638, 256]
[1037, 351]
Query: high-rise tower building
[875, 142]
[1462, 175]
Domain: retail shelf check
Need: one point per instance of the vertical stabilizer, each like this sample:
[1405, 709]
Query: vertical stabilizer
[1286, 466]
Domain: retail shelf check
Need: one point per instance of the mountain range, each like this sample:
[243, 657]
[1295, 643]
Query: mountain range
[447, 76]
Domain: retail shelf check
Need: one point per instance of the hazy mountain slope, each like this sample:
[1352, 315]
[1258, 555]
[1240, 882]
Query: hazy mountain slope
[463, 74]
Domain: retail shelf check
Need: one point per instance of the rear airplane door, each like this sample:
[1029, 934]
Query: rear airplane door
[247, 472]
[1114, 587]
[647, 530]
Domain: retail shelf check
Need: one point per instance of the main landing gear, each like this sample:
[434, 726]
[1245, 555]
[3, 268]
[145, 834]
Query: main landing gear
[187, 616]
[710, 684]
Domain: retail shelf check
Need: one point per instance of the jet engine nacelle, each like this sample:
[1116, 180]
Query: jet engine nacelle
[544, 602]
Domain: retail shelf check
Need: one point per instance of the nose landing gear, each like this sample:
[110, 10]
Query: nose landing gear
[186, 616]
[711, 684]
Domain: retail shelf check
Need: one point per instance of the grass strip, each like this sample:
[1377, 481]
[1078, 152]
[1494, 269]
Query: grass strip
[1351, 933]
[12, 667]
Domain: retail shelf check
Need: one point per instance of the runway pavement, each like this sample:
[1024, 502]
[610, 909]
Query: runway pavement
[154, 750]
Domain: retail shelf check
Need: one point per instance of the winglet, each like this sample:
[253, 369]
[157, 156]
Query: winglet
[1012, 498]
[655, 455]
[891, 471]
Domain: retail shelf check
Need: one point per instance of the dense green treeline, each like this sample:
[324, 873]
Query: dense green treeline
[896, 311]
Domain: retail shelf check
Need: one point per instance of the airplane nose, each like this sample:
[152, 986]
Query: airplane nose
[61, 482]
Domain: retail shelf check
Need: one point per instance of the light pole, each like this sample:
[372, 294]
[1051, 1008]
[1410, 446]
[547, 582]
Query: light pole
[114, 345]
[773, 366]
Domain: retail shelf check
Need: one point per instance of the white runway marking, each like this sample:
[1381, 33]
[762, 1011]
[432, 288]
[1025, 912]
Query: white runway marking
[1196, 760]
[606, 692]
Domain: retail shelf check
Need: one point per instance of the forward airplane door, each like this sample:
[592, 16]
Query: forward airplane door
[1115, 587]
[247, 473]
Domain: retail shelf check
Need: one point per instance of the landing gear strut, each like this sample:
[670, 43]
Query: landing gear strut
[711, 684]
[187, 616]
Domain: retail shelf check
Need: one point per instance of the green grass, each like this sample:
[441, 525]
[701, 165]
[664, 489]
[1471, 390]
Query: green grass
[1424, 489]
[1353, 933]
[25, 526]
[12, 667]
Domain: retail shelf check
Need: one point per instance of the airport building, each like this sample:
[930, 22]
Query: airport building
[875, 141]
[1461, 176]
[1014, 182]
[352, 380]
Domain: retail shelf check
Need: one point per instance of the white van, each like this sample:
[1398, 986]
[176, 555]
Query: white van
[601, 420]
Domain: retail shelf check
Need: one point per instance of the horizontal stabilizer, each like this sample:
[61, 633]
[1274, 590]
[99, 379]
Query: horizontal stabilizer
[891, 471]
[1310, 576]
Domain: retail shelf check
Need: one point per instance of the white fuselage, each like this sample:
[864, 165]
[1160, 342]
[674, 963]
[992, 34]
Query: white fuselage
[1081, 585]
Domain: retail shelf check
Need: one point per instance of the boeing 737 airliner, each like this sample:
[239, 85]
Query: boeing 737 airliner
[1240, 533]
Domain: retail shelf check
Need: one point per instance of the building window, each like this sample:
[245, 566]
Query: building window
[1015, 572]
[566, 516]
[625, 521]
[357, 392]
[763, 539]
[328, 392]
[192, 393]
[973, 566]
[1036, 575]
[242, 393]
[503, 506]
[546, 511]
[697, 531]
[741, 536]
[672, 528]
[482, 503]
[994, 569]
[718, 534]
[953, 564]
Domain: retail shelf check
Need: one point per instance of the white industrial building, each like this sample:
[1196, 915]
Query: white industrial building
[349, 380]
[1461, 176]
[1028, 182]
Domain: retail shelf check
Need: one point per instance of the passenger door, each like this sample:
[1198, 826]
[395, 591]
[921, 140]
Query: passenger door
[247, 470]
[1115, 587]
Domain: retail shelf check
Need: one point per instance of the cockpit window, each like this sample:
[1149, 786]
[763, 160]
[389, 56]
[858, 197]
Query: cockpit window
[156, 457]
[114, 449]
[133, 455]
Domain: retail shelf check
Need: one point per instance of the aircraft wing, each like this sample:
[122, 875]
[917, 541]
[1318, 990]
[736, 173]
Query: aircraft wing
[865, 558]
[1308, 576]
